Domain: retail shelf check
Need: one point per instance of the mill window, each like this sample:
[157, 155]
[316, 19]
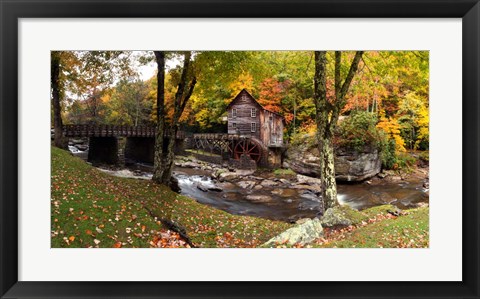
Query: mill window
[253, 112]
[234, 112]
[254, 127]
[234, 125]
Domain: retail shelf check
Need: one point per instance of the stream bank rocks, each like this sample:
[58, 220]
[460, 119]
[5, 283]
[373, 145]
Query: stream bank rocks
[350, 165]
[335, 216]
[262, 188]
[305, 232]
[246, 179]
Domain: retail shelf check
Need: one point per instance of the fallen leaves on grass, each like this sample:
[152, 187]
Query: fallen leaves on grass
[168, 239]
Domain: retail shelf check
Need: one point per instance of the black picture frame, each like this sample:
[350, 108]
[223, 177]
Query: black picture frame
[11, 11]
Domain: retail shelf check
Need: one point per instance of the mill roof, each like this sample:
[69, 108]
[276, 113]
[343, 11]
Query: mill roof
[244, 91]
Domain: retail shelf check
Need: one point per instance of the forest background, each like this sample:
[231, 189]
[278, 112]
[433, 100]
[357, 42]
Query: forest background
[389, 95]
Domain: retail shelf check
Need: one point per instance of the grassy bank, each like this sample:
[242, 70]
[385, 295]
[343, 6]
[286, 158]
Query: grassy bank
[380, 229]
[93, 209]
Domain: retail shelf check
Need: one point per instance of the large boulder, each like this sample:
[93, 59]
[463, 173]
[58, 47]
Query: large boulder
[342, 216]
[350, 165]
[335, 217]
[302, 234]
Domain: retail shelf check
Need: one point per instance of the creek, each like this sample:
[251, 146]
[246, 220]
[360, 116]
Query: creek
[282, 201]
[290, 204]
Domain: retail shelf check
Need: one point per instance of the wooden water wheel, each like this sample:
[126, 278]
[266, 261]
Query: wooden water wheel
[249, 148]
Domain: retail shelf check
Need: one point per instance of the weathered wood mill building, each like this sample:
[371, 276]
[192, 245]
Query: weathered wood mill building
[246, 117]
[253, 132]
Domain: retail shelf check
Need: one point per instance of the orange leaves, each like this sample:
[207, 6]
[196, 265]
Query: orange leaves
[82, 218]
[228, 239]
[271, 94]
[117, 245]
[88, 232]
[71, 238]
[168, 239]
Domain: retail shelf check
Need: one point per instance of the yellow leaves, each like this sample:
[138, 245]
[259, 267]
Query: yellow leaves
[423, 122]
[105, 98]
[244, 81]
[391, 127]
[203, 117]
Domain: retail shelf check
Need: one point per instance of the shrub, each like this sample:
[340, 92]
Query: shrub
[424, 156]
[404, 160]
[388, 154]
[358, 130]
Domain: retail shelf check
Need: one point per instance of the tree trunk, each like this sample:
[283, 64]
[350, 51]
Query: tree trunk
[323, 109]
[169, 156]
[327, 114]
[329, 190]
[181, 98]
[158, 168]
[59, 140]
[164, 152]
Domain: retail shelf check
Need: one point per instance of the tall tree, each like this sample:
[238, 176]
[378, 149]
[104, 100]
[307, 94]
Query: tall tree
[59, 140]
[327, 114]
[185, 89]
[166, 132]
[159, 169]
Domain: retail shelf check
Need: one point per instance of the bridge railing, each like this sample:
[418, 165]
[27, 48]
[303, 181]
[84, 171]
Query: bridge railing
[219, 136]
[112, 131]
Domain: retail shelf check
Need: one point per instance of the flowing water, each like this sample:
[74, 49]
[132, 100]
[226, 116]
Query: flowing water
[283, 202]
[290, 204]
[286, 205]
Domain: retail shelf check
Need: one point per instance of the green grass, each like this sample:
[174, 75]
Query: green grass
[409, 230]
[284, 172]
[85, 200]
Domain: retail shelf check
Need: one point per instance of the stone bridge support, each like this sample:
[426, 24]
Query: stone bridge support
[275, 157]
[139, 149]
[103, 150]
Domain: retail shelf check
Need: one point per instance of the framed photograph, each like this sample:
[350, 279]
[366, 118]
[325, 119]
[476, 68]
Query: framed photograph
[227, 149]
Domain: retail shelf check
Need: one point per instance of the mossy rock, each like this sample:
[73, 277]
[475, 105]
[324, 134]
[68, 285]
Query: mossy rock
[303, 233]
[345, 215]
[342, 216]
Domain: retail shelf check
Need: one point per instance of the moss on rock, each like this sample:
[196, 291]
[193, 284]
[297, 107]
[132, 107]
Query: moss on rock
[345, 215]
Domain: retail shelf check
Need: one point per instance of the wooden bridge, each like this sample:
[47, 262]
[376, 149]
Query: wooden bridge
[112, 131]
[140, 141]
